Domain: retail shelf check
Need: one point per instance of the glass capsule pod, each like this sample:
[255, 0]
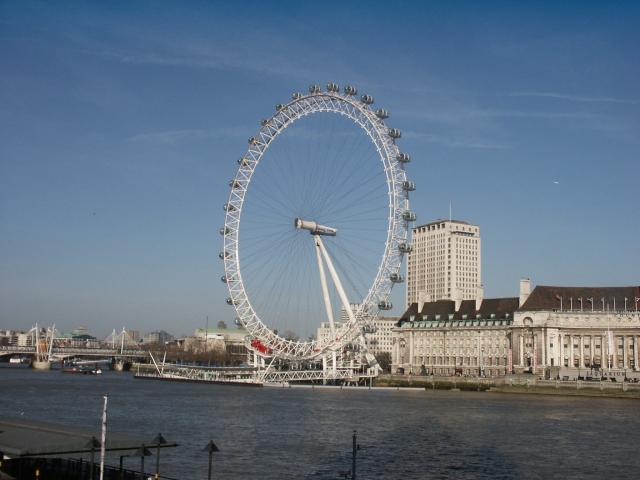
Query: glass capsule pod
[333, 87]
[409, 216]
[223, 279]
[296, 95]
[227, 207]
[396, 278]
[382, 113]
[403, 157]
[405, 248]
[230, 301]
[385, 305]
[408, 186]
[314, 89]
[350, 90]
[394, 133]
[367, 99]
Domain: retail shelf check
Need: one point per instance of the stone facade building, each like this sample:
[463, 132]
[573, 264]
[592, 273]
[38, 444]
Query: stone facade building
[550, 332]
[577, 328]
[469, 337]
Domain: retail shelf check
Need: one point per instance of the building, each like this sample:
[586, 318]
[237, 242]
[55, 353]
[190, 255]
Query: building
[158, 336]
[380, 340]
[555, 332]
[446, 337]
[324, 331]
[444, 262]
[572, 328]
[229, 340]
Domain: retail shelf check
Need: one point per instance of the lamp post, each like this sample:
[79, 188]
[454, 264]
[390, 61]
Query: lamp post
[210, 447]
[142, 452]
[353, 455]
[157, 441]
[92, 444]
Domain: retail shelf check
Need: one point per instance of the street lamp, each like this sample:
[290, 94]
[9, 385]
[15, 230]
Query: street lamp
[142, 452]
[210, 447]
[92, 444]
[157, 441]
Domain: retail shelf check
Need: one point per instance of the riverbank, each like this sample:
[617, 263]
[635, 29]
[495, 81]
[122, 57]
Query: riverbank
[513, 384]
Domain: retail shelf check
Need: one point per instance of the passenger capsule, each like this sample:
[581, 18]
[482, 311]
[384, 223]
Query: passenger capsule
[408, 186]
[382, 113]
[369, 329]
[351, 91]
[385, 305]
[230, 301]
[228, 207]
[224, 230]
[314, 89]
[223, 255]
[367, 99]
[280, 106]
[236, 321]
[252, 141]
[396, 278]
[394, 133]
[243, 162]
[234, 183]
[403, 157]
[405, 248]
[264, 122]
[409, 216]
[333, 87]
[223, 279]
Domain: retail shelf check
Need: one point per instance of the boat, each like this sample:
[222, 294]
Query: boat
[19, 360]
[82, 370]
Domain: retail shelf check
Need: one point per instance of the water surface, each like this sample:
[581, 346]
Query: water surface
[266, 433]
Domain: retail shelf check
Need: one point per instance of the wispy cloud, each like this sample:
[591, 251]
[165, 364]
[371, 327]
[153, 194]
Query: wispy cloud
[574, 98]
[456, 115]
[174, 137]
[454, 142]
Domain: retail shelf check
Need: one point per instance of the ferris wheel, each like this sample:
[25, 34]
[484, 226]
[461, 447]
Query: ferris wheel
[325, 216]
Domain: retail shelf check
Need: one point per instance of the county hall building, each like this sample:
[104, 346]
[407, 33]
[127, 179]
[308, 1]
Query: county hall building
[548, 331]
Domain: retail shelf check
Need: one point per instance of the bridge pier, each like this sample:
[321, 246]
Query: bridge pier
[36, 365]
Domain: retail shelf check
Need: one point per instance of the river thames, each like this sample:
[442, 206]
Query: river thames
[267, 433]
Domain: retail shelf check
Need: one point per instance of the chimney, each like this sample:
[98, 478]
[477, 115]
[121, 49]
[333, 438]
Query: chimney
[423, 297]
[525, 290]
[479, 296]
[458, 299]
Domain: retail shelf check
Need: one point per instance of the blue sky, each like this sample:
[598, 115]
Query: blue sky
[120, 124]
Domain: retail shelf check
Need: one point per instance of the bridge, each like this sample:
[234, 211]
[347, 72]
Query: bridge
[60, 353]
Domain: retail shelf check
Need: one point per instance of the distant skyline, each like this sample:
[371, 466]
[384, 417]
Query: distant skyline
[121, 123]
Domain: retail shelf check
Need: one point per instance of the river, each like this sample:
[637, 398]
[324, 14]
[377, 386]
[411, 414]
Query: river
[267, 433]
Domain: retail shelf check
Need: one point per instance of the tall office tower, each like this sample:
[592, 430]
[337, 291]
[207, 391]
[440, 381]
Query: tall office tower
[445, 262]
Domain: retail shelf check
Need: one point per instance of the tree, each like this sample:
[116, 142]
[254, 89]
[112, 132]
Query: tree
[384, 359]
[290, 335]
[222, 324]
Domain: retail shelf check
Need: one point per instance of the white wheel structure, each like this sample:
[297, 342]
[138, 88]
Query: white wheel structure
[349, 334]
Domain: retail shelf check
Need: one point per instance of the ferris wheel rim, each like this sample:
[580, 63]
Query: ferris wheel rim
[383, 139]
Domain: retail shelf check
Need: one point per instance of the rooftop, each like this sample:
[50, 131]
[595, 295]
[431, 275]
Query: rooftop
[444, 220]
[545, 297]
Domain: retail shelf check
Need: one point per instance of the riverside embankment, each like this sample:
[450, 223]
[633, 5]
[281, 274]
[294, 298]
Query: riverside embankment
[525, 384]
